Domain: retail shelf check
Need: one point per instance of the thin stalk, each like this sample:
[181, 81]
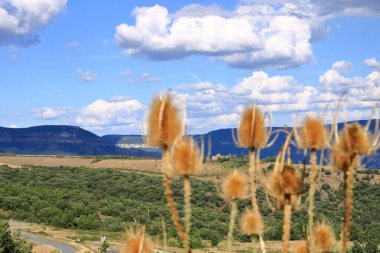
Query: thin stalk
[255, 206]
[262, 243]
[169, 194]
[232, 224]
[252, 179]
[348, 185]
[286, 228]
[310, 210]
[187, 194]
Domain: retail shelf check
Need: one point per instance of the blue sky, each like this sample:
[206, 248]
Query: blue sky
[97, 64]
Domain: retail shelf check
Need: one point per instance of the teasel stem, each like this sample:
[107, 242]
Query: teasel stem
[169, 194]
[255, 206]
[187, 194]
[232, 224]
[286, 228]
[164, 234]
[252, 178]
[310, 210]
[262, 243]
[348, 185]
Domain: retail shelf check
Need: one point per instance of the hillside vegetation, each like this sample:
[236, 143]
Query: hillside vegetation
[108, 200]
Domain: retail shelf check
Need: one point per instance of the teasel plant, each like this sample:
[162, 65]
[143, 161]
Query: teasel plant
[136, 241]
[234, 189]
[252, 134]
[285, 184]
[187, 161]
[162, 127]
[313, 136]
[351, 144]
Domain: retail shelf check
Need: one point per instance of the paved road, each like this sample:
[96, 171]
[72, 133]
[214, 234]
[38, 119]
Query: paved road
[64, 248]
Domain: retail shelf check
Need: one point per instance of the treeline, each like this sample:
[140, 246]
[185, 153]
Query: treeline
[108, 200]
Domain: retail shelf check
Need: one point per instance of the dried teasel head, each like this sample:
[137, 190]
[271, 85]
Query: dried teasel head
[234, 186]
[163, 123]
[251, 223]
[313, 134]
[136, 242]
[186, 157]
[354, 139]
[324, 238]
[285, 186]
[251, 131]
[301, 247]
[342, 160]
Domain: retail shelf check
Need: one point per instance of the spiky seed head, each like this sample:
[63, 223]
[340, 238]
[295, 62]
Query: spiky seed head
[285, 186]
[291, 180]
[301, 247]
[354, 139]
[324, 238]
[251, 131]
[163, 123]
[234, 186]
[313, 133]
[186, 158]
[133, 240]
[341, 160]
[251, 223]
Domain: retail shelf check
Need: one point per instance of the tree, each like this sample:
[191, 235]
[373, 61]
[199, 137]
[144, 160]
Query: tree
[12, 243]
[104, 247]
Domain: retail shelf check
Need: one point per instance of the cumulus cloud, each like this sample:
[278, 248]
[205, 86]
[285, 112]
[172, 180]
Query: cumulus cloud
[281, 95]
[254, 38]
[372, 63]
[20, 20]
[86, 75]
[103, 113]
[48, 113]
[256, 33]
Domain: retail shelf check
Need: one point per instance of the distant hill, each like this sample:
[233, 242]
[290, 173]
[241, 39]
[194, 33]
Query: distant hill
[222, 142]
[58, 140]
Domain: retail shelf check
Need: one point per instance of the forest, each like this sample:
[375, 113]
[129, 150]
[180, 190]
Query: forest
[110, 200]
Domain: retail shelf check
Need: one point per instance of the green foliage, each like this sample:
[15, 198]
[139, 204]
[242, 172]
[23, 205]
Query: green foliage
[12, 243]
[104, 247]
[109, 200]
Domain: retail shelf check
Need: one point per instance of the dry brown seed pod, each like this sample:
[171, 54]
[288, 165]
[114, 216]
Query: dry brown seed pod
[186, 157]
[324, 238]
[354, 140]
[251, 223]
[136, 242]
[301, 247]
[285, 186]
[234, 186]
[251, 131]
[341, 160]
[163, 123]
[313, 134]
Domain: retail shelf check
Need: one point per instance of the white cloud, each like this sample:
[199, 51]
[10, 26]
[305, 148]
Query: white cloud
[254, 39]
[12, 126]
[86, 75]
[20, 20]
[372, 63]
[132, 77]
[200, 86]
[72, 44]
[102, 113]
[342, 65]
[48, 113]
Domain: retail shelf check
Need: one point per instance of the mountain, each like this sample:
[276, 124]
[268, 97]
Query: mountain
[58, 140]
[222, 142]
